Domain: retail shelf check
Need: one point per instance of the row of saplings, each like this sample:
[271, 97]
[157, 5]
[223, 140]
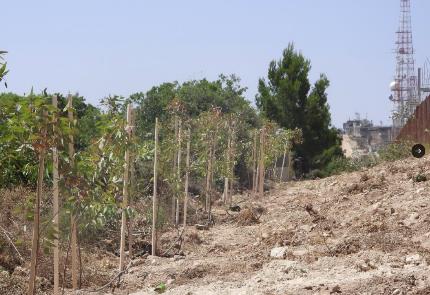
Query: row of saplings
[210, 145]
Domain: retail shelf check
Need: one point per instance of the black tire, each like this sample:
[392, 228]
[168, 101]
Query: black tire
[418, 151]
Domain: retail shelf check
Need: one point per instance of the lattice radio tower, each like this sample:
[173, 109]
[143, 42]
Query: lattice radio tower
[404, 87]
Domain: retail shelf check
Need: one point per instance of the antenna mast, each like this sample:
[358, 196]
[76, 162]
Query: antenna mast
[404, 88]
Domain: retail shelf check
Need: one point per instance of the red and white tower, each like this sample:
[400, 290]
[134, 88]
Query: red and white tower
[404, 87]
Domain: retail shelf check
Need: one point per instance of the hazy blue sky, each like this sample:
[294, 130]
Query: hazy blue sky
[98, 48]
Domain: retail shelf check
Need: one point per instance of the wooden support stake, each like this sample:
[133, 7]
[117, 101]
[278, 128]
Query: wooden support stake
[154, 197]
[187, 175]
[131, 190]
[232, 157]
[225, 196]
[175, 157]
[125, 190]
[73, 221]
[254, 164]
[36, 223]
[208, 179]
[261, 165]
[178, 173]
[56, 210]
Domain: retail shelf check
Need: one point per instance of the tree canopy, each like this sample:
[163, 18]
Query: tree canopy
[288, 98]
[195, 97]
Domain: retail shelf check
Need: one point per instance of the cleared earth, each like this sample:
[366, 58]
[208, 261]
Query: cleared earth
[360, 233]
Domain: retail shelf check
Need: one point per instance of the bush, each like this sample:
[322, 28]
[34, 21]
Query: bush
[392, 152]
[342, 164]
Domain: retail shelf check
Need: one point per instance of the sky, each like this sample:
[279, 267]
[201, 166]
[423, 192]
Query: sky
[106, 47]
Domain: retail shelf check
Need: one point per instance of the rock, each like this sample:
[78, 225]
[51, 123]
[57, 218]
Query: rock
[420, 190]
[279, 252]
[363, 267]
[333, 183]
[170, 281]
[300, 252]
[335, 289]
[413, 259]
[374, 208]
[265, 235]
[202, 227]
[306, 227]
[178, 257]
[396, 292]
[412, 219]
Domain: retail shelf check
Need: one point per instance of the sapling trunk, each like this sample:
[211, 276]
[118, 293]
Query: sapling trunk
[73, 221]
[283, 164]
[187, 175]
[174, 171]
[208, 178]
[36, 222]
[125, 190]
[232, 157]
[55, 211]
[254, 164]
[154, 196]
[261, 165]
[226, 178]
[178, 173]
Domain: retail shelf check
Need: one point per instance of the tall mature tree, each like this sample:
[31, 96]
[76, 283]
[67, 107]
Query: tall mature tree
[196, 96]
[288, 99]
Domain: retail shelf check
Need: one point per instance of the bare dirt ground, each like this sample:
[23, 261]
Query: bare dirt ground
[360, 233]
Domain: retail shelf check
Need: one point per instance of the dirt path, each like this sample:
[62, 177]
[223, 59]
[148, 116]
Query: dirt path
[361, 233]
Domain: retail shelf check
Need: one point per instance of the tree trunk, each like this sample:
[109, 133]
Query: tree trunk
[36, 223]
[175, 157]
[125, 190]
[254, 164]
[273, 176]
[283, 164]
[55, 211]
[227, 170]
[73, 222]
[178, 173]
[232, 157]
[289, 170]
[187, 175]
[130, 221]
[208, 178]
[261, 165]
[154, 196]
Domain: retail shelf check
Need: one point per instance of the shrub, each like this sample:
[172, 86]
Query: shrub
[396, 151]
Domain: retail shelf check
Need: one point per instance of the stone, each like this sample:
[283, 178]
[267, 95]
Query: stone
[335, 289]
[279, 252]
[202, 227]
[413, 259]
[300, 252]
[306, 227]
[178, 257]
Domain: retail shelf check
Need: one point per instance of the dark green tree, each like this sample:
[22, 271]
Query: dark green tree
[289, 99]
[196, 97]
